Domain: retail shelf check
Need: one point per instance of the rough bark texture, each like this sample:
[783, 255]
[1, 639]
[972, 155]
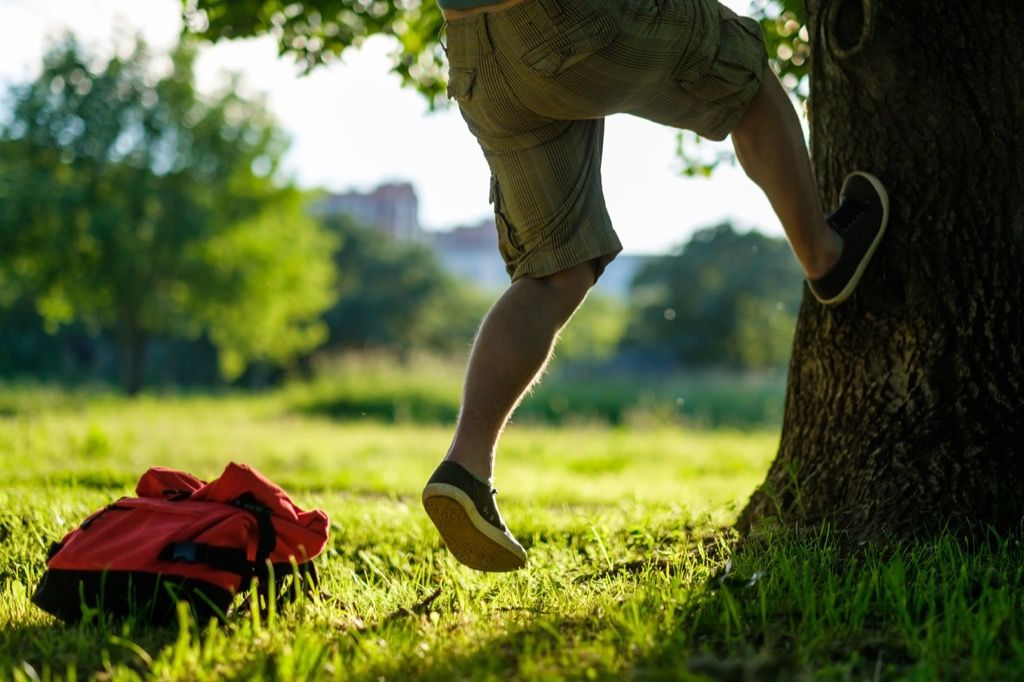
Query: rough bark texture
[905, 405]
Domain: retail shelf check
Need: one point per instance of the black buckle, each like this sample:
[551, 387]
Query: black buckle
[184, 551]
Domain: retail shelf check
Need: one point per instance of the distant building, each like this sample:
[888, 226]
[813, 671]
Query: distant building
[393, 208]
[617, 278]
[469, 252]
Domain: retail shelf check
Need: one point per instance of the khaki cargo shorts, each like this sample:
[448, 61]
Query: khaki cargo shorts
[535, 81]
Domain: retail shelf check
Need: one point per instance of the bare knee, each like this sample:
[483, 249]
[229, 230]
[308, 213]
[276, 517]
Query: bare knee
[766, 107]
[568, 288]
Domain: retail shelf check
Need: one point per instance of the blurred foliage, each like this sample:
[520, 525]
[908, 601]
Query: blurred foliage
[382, 386]
[624, 396]
[727, 299]
[318, 31]
[784, 25]
[273, 277]
[315, 32]
[76, 355]
[422, 389]
[595, 330]
[136, 212]
[135, 207]
[26, 348]
[395, 296]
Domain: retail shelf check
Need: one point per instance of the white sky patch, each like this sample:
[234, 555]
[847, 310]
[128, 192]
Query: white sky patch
[353, 126]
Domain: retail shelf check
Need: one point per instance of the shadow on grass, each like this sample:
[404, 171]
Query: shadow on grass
[46, 651]
[789, 607]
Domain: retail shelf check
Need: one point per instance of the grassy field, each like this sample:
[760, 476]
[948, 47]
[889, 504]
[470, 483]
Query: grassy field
[630, 575]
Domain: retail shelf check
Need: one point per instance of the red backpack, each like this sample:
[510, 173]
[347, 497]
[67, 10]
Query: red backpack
[182, 539]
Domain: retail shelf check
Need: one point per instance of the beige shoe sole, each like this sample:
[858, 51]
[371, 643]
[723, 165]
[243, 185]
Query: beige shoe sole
[470, 539]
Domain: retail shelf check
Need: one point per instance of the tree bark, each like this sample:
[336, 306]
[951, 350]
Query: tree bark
[905, 405]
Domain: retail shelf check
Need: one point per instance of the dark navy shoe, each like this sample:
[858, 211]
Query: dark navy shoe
[860, 220]
[463, 509]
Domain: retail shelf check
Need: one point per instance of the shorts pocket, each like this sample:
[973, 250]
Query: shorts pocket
[571, 44]
[726, 67]
[460, 83]
[508, 245]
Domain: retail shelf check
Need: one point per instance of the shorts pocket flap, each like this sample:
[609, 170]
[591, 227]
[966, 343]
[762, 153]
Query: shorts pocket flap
[589, 35]
[460, 82]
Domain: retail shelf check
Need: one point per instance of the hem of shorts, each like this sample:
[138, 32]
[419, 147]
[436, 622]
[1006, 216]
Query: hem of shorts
[550, 263]
[725, 128]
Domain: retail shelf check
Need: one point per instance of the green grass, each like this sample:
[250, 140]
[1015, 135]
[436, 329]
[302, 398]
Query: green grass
[630, 572]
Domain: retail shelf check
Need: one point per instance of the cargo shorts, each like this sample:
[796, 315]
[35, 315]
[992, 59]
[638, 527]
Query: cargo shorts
[535, 81]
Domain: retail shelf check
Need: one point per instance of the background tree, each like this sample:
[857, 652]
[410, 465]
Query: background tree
[596, 332]
[726, 299]
[395, 296]
[132, 203]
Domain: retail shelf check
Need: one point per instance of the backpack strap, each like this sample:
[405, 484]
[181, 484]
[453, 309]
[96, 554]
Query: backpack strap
[232, 559]
[268, 534]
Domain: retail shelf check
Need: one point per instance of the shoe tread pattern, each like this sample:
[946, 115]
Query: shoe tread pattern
[471, 547]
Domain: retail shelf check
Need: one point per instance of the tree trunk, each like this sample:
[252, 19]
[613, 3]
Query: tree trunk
[905, 405]
[132, 355]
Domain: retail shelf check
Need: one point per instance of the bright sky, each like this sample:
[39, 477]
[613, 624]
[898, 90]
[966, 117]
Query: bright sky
[353, 126]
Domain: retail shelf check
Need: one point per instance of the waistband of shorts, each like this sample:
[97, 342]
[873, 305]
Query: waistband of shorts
[526, 22]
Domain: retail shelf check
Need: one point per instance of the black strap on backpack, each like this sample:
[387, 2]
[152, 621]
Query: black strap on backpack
[268, 536]
[271, 578]
[231, 559]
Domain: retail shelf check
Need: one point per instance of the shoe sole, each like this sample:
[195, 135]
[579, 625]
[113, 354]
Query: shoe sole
[469, 537]
[862, 266]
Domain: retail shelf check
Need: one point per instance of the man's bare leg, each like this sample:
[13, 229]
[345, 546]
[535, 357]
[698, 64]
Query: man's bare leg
[770, 146]
[509, 353]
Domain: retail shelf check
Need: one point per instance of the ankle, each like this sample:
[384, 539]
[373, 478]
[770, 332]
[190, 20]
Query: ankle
[825, 257]
[481, 470]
